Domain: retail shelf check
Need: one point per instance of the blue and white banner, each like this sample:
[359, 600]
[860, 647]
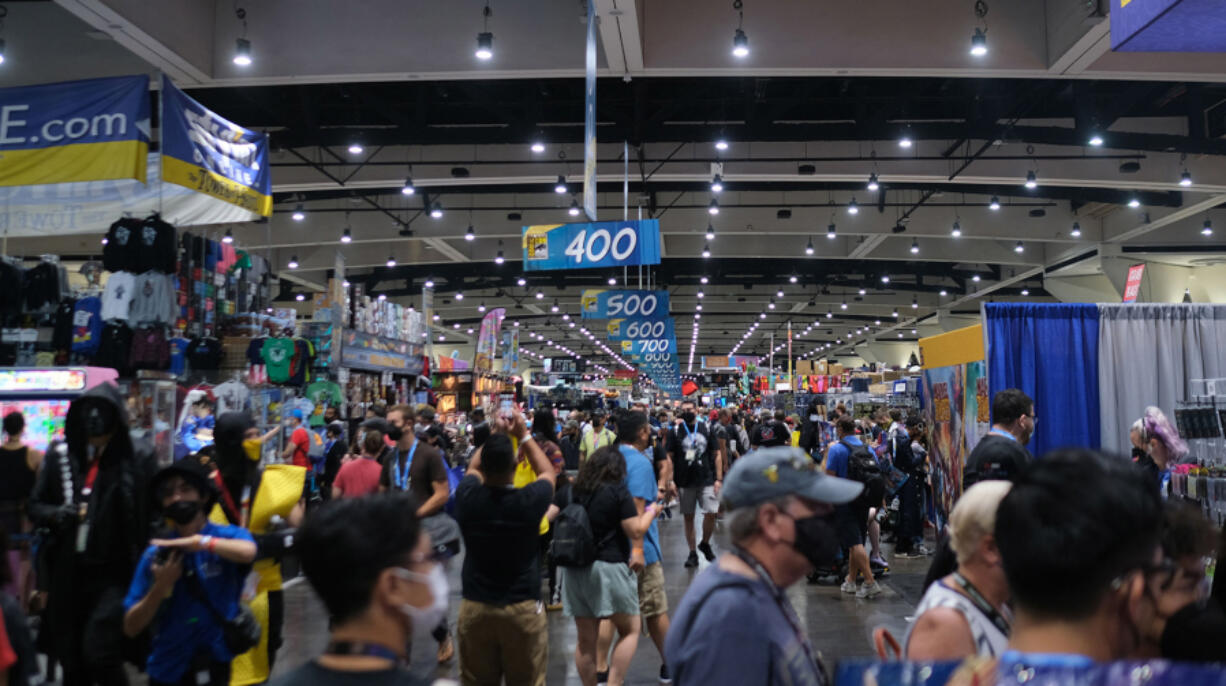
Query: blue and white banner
[1167, 26]
[592, 245]
[212, 155]
[93, 130]
[635, 328]
[606, 304]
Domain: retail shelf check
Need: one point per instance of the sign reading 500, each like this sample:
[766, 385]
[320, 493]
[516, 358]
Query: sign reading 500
[602, 304]
[591, 245]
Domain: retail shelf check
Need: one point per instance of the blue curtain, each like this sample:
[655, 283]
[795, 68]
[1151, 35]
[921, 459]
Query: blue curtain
[1051, 353]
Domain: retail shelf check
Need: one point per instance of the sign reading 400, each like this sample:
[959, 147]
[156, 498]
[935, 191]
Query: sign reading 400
[591, 245]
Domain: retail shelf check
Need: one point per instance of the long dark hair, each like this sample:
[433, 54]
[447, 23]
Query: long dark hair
[605, 466]
[545, 424]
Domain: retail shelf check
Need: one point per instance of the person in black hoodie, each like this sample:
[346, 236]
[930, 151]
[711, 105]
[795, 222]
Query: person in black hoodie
[92, 495]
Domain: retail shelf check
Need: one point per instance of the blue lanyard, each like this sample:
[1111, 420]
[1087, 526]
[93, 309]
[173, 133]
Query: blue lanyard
[688, 433]
[402, 475]
[1050, 660]
[1002, 432]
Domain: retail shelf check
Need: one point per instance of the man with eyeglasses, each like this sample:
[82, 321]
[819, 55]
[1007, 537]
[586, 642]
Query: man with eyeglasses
[1002, 453]
[1189, 626]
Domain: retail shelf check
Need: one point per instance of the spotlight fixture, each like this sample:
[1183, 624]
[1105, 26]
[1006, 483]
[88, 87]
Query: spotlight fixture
[459, 295]
[355, 148]
[560, 186]
[956, 231]
[843, 306]
[706, 250]
[242, 52]
[710, 232]
[809, 247]
[905, 141]
[574, 208]
[740, 44]
[1025, 291]
[1076, 232]
[347, 235]
[1019, 248]
[299, 214]
[979, 43]
[540, 295]
[975, 278]
[1134, 203]
[914, 303]
[1207, 229]
[994, 204]
[914, 246]
[300, 297]
[721, 144]
[944, 292]
[713, 208]
[470, 235]
[499, 259]
[771, 304]
[485, 44]
[429, 283]
[830, 231]
[779, 293]
[1032, 180]
[408, 188]
[436, 210]
[391, 261]
[522, 282]
[852, 207]
[612, 281]
[228, 238]
[829, 314]
[1096, 140]
[554, 307]
[862, 291]
[717, 184]
[872, 182]
[537, 147]
[293, 262]
[793, 279]
[481, 307]
[885, 278]
[1185, 179]
[895, 313]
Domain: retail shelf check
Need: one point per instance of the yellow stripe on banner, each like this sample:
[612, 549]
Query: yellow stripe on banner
[956, 347]
[73, 163]
[215, 185]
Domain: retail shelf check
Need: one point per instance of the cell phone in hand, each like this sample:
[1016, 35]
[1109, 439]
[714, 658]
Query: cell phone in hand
[162, 556]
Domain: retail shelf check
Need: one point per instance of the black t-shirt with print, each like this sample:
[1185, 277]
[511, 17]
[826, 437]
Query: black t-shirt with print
[700, 470]
[606, 508]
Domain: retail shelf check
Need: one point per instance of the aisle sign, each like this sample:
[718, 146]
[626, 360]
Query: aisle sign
[212, 155]
[606, 304]
[1132, 287]
[92, 130]
[635, 329]
[591, 245]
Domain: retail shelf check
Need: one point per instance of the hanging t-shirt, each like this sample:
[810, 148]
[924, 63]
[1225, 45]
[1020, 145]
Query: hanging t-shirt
[204, 354]
[119, 254]
[178, 355]
[114, 347]
[117, 298]
[86, 325]
[42, 286]
[304, 356]
[61, 333]
[156, 248]
[12, 278]
[277, 354]
[323, 394]
[153, 299]
[232, 396]
[257, 372]
[149, 349]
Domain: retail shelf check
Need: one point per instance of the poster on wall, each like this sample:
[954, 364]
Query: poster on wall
[956, 407]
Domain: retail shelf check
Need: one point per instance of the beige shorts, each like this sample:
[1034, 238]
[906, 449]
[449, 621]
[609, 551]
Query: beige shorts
[652, 599]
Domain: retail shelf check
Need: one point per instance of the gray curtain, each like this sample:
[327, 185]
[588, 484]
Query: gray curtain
[1148, 355]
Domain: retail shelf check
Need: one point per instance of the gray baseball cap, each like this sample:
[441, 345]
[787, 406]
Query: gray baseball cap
[768, 473]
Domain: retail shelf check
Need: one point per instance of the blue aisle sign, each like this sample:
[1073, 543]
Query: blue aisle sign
[591, 245]
[631, 329]
[1168, 26]
[212, 155]
[92, 130]
[606, 304]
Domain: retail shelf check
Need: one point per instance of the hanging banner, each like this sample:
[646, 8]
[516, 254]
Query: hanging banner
[1167, 26]
[592, 245]
[630, 329]
[605, 304]
[212, 155]
[589, 116]
[92, 130]
[1132, 287]
[487, 340]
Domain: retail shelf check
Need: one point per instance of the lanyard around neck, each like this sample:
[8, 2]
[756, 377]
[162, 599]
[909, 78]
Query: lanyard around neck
[402, 473]
[781, 600]
[1002, 432]
[981, 603]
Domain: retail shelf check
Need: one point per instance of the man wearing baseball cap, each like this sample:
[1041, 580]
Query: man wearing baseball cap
[299, 441]
[735, 625]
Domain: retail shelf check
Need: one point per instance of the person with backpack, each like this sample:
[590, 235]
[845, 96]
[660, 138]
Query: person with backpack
[593, 537]
[851, 459]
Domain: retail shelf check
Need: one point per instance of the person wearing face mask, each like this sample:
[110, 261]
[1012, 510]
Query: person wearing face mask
[698, 470]
[1162, 447]
[92, 496]
[735, 624]
[268, 502]
[380, 591]
[189, 582]
[1002, 453]
[599, 436]
[966, 613]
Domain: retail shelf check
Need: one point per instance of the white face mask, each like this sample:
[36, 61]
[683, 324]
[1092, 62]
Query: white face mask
[813, 418]
[426, 619]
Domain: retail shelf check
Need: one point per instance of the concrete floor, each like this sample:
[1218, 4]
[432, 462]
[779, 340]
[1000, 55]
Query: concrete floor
[839, 625]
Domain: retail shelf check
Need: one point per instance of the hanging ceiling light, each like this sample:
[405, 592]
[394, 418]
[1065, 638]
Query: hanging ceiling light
[914, 303]
[843, 306]
[994, 204]
[905, 141]
[793, 278]
[242, 52]
[573, 210]
[560, 186]
[809, 247]
[408, 188]
[771, 304]
[554, 307]
[347, 235]
[779, 293]
[944, 292]
[956, 231]
[710, 232]
[391, 261]
[355, 148]
[538, 146]
[830, 231]
[612, 281]
[1025, 291]
[300, 297]
[975, 278]
[485, 44]
[829, 314]
[1032, 180]
[852, 207]
[522, 282]
[293, 262]
[499, 259]
[228, 238]
[706, 251]
[459, 295]
[1096, 140]
[872, 182]
[914, 246]
[717, 184]
[436, 210]
[471, 234]
[895, 313]
[1207, 229]
[721, 144]
[299, 214]
[713, 208]
[1134, 203]
[481, 307]
[885, 278]
[979, 43]
[1019, 248]
[539, 295]
[1076, 232]
[740, 44]
[1185, 179]
[862, 291]
[429, 283]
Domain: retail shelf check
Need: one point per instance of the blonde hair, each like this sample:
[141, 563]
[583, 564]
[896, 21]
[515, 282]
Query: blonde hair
[974, 516]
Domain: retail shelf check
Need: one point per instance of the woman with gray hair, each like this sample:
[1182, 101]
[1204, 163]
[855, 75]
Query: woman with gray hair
[964, 613]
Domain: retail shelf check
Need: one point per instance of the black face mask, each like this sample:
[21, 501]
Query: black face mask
[182, 512]
[395, 432]
[97, 422]
[817, 539]
[688, 417]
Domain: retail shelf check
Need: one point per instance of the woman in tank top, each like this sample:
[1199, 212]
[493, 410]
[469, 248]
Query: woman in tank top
[18, 465]
[965, 613]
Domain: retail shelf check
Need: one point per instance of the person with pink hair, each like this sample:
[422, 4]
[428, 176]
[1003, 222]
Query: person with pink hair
[1160, 446]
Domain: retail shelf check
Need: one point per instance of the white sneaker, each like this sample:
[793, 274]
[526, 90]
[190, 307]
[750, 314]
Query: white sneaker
[849, 587]
[869, 590]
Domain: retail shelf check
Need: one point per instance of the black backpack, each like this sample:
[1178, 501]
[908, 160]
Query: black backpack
[863, 467]
[574, 544]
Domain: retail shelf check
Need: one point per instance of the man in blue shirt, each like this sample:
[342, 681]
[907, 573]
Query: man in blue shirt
[851, 518]
[735, 624]
[188, 583]
[634, 439]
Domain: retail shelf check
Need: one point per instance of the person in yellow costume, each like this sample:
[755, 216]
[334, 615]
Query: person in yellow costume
[268, 503]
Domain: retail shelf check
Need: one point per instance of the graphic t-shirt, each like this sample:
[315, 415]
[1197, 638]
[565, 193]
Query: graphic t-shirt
[278, 353]
[691, 449]
[86, 325]
[154, 299]
[178, 355]
[232, 396]
[323, 394]
[117, 297]
[302, 444]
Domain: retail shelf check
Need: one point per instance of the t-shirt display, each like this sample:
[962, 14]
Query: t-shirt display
[153, 299]
[323, 394]
[501, 528]
[117, 298]
[232, 396]
[114, 347]
[156, 246]
[86, 325]
[204, 354]
[178, 355]
[118, 252]
[149, 349]
[691, 448]
[278, 355]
